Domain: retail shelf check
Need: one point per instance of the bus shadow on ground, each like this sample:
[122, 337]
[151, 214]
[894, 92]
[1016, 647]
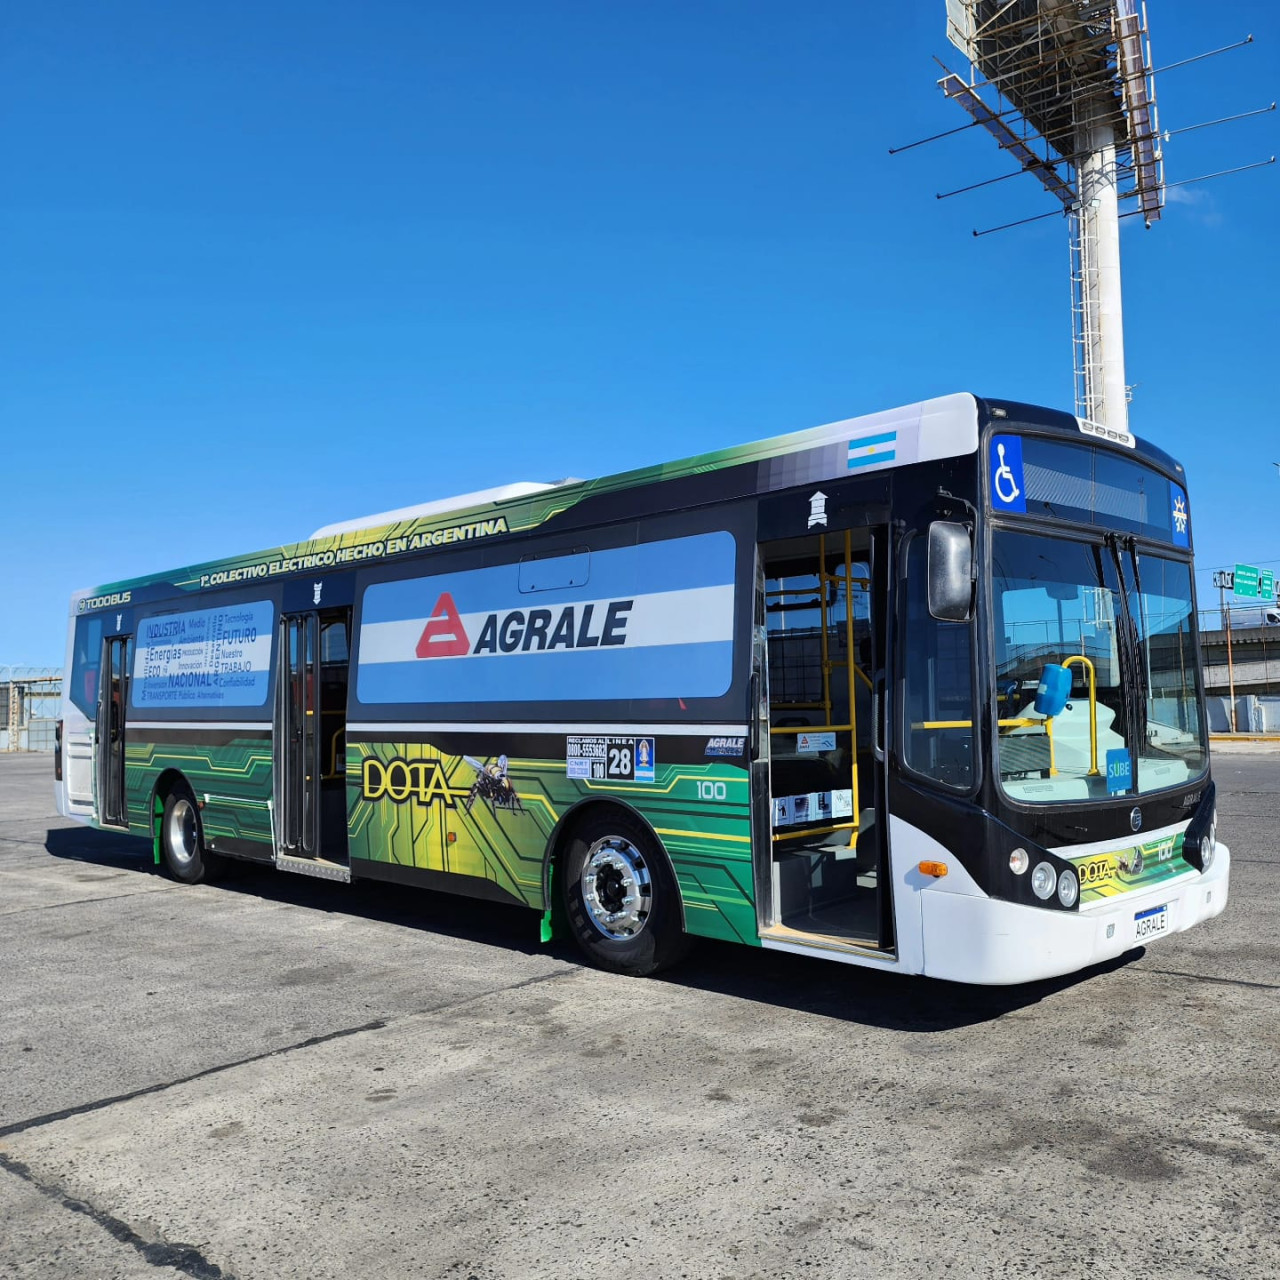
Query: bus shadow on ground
[870, 997]
[450, 915]
[867, 997]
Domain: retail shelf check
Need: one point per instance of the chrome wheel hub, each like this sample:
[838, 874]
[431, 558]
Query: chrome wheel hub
[617, 890]
[180, 833]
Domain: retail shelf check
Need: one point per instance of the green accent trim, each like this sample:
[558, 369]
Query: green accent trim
[553, 925]
[157, 815]
[415, 815]
[1105, 876]
[235, 776]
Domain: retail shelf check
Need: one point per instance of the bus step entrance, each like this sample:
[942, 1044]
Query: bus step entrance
[321, 868]
[826, 888]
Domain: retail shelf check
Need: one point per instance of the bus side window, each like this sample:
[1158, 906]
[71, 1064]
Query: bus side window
[937, 662]
[83, 688]
[334, 644]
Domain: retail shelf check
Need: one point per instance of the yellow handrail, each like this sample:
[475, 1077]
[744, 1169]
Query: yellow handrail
[806, 832]
[1093, 710]
[828, 664]
[1048, 721]
[1020, 723]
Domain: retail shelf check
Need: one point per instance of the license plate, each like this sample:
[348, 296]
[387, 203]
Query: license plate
[1151, 921]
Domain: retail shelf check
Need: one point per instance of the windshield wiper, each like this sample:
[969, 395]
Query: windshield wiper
[1132, 702]
[1142, 687]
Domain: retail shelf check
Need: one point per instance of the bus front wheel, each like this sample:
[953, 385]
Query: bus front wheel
[182, 840]
[620, 897]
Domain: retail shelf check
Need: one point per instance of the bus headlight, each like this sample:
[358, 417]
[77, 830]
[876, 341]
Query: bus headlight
[1019, 861]
[1044, 880]
[1068, 889]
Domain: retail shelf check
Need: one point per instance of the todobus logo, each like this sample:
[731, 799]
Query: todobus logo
[400, 780]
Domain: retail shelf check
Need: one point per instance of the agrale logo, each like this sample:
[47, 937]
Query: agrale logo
[523, 630]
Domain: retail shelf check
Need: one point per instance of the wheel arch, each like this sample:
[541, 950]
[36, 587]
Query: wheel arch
[562, 833]
[167, 781]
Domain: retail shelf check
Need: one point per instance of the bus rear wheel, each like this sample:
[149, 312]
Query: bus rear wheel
[620, 897]
[182, 840]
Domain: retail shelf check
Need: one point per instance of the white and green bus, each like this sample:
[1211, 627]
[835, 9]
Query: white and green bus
[918, 691]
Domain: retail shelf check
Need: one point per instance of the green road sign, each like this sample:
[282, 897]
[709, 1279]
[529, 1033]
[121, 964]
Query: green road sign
[1246, 583]
[1266, 584]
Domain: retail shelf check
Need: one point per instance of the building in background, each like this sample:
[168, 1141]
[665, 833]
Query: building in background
[29, 699]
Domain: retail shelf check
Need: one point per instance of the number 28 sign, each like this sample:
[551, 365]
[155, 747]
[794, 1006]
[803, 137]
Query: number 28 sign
[610, 759]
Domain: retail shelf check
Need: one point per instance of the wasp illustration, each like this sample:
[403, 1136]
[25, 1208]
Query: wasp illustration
[493, 785]
[1131, 863]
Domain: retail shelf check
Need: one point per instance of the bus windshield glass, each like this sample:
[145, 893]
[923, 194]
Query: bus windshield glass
[1111, 633]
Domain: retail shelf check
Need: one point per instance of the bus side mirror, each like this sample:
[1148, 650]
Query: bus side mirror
[950, 572]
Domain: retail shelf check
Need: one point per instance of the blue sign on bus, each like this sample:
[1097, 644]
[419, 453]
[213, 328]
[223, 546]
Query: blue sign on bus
[652, 620]
[1119, 771]
[1008, 489]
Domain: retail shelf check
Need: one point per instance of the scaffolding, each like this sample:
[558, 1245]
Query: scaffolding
[29, 702]
[1075, 107]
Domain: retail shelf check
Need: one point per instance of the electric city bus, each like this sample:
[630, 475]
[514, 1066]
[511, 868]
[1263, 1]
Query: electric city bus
[917, 691]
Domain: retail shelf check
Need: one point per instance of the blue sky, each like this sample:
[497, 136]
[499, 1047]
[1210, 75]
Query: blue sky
[269, 266]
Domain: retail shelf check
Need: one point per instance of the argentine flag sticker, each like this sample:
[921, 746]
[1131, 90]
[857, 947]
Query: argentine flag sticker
[871, 451]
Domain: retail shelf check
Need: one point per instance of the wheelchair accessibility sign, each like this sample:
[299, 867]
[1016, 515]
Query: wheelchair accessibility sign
[1008, 490]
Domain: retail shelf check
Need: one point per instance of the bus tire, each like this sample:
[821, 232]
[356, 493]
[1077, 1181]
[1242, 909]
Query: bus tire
[620, 896]
[182, 840]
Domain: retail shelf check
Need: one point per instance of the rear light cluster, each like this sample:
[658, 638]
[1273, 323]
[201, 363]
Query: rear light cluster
[57, 752]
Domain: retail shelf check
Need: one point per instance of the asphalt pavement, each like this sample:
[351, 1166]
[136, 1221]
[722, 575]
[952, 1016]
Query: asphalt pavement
[281, 1077]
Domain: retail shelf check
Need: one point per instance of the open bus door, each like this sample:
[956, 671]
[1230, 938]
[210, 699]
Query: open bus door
[109, 732]
[823, 624]
[309, 743]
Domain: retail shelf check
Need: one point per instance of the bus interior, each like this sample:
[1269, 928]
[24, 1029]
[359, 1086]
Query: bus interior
[821, 659]
[311, 735]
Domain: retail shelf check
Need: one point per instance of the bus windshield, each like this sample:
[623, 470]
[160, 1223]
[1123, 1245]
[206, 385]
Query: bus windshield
[1131, 722]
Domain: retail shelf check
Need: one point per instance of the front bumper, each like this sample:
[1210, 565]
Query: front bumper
[994, 943]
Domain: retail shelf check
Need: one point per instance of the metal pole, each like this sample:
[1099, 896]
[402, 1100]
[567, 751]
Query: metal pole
[1103, 325]
[1231, 674]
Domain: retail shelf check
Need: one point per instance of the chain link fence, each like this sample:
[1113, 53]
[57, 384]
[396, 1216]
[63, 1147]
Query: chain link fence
[29, 702]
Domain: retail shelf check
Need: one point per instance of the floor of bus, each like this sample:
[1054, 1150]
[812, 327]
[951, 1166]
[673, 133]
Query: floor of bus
[822, 889]
[855, 918]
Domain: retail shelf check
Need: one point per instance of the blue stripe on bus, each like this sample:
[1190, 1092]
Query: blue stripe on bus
[656, 671]
[888, 437]
[871, 459]
[676, 564]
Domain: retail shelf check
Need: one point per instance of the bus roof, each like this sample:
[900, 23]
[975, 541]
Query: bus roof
[942, 427]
